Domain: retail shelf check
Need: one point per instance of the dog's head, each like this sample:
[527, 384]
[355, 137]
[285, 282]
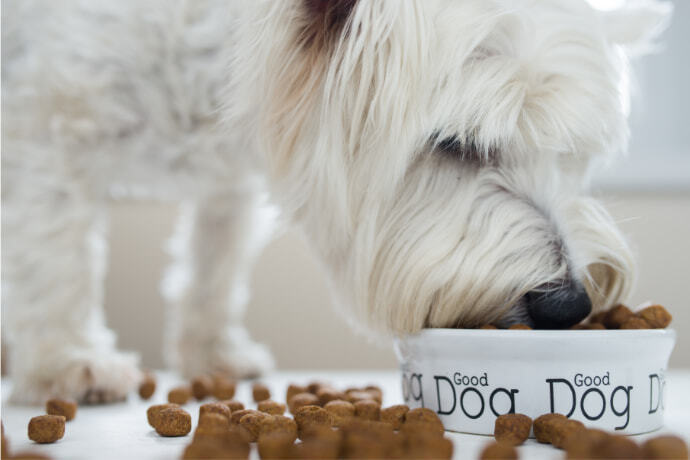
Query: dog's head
[438, 151]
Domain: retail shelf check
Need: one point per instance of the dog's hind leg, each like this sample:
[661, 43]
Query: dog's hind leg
[215, 245]
[53, 263]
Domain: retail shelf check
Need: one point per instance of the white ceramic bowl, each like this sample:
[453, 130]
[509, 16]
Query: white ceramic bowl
[612, 379]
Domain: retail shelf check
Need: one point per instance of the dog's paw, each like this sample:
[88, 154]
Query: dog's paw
[88, 376]
[247, 359]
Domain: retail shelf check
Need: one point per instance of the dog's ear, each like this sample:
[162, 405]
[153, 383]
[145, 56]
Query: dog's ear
[637, 24]
[326, 19]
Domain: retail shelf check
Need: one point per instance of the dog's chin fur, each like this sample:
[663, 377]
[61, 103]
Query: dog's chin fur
[435, 152]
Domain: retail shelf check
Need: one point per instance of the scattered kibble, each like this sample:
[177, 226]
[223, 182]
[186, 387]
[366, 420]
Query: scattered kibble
[65, 407]
[46, 428]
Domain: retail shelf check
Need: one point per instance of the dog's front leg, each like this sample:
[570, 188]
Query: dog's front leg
[53, 263]
[215, 245]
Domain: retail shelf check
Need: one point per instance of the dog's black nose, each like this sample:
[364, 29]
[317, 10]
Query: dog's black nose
[558, 306]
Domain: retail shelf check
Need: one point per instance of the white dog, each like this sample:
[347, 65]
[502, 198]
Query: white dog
[436, 153]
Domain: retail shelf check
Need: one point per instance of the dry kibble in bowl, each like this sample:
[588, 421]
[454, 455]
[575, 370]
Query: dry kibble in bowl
[617, 316]
[65, 407]
[499, 451]
[260, 392]
[512, 428]
[180, 394]
[656, 316]
[271, 407]
[202, 387]
[173, 421]
[147, 386]
[635, 322]
[46, 428]
[395, 415]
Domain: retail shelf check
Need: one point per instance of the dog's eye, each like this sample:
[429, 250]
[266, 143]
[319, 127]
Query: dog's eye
[462, 150]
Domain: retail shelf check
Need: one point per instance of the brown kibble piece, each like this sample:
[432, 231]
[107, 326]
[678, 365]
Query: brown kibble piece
[563, 429]
[368, 410]
[173, 421]
[301, 400]
[180, 395]
[598, 317]
[214, 408]
[65, 407]
[46, 428]
[488, 326]
[666, 446]
[616, 316]
[223, 387]
[358, 395]
[315, 386]
[375, 392]
[275, 444]
[617, 446]
[230, 445]
[635, 322]
[520, 326]
[153, 412]
[544, 426]
[212, 424]
[252, 424]
[341, 410]
[499, 450]
[327, 395]
[147, 386]
[233, 405]
[202, 387]
[395, 415]
[512, 428]
[278, 424]
[293, 390]
[236, 416]
[308, 417]
[271, 407]
[260, 392]
[427, 445]
[656, 315]
[427, 417]
[583, 444]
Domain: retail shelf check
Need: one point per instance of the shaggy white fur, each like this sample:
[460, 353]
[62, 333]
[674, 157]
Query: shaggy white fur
[435, 152]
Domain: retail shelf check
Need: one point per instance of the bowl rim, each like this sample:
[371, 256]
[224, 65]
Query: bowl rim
[526, 334]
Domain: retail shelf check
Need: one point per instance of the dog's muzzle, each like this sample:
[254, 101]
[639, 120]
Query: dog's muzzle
[558, 306]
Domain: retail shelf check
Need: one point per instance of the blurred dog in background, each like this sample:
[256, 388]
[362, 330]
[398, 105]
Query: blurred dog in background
[436, 153]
